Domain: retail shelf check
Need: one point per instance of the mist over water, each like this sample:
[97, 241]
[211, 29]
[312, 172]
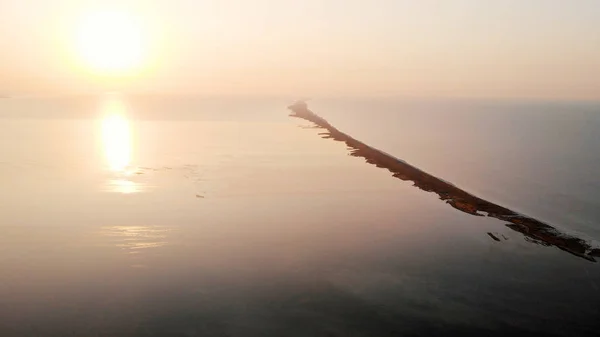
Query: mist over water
[539, 158]
[154, 217]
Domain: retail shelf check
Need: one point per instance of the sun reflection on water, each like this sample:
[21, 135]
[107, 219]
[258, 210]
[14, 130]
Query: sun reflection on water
[124, 186]
[117, 144]
[134, 238]
[138, 242]
[116, 136]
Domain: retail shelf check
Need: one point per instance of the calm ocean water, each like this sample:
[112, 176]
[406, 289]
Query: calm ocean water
[541, 158]
[206, 217]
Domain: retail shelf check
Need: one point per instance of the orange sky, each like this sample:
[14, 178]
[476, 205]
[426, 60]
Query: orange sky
[462, 48]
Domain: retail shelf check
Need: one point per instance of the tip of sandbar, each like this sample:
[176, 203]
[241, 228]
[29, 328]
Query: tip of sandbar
[298, 105]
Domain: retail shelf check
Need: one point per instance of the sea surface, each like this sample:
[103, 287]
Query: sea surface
[184, 216]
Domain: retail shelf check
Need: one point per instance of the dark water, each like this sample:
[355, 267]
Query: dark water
[195, 218]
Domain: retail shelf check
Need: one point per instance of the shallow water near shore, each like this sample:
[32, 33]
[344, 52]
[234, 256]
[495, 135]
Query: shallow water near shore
[232, 219]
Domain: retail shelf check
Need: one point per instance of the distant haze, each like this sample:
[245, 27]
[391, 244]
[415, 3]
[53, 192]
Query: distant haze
[548, 49]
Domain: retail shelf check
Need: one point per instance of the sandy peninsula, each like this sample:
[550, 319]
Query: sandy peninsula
[535, 230]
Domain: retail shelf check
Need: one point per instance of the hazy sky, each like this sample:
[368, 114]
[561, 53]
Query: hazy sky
[474, 48]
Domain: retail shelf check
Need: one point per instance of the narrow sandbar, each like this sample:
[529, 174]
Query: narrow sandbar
[449, 193]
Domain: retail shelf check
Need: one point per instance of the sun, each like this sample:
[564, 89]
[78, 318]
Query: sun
[110, 42]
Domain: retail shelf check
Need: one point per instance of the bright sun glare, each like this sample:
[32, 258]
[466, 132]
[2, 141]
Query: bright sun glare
[116, 136]
[117, 143]
[110, 42]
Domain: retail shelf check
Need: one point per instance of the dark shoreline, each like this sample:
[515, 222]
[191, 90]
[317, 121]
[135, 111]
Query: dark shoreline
[533, 229]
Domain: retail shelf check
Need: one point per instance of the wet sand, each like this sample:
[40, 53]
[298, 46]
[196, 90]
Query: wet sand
[534, 230]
